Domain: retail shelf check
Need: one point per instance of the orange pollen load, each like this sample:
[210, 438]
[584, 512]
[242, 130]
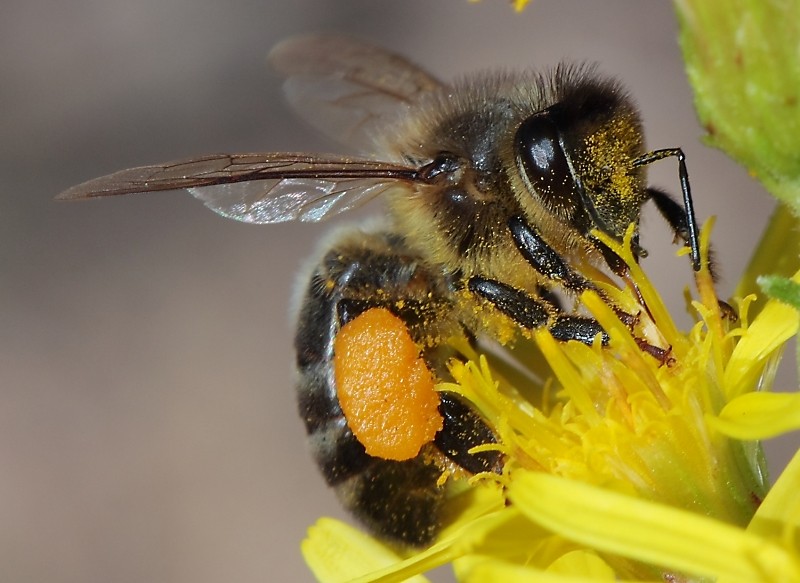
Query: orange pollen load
[385, 389]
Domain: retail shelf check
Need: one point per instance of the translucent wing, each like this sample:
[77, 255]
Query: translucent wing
[347, 88]
[260, 188]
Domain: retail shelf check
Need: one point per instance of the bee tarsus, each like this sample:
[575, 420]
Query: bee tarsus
[683, 221]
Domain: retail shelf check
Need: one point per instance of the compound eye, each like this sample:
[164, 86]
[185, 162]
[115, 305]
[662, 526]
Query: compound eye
[545, 163]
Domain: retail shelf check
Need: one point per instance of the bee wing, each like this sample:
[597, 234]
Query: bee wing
[347, 88]
[260, 188]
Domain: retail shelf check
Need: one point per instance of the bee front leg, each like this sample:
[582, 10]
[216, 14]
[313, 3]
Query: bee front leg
[548, 263]
[544, 259]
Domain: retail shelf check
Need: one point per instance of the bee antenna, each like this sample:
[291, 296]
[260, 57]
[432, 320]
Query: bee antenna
[688, 205]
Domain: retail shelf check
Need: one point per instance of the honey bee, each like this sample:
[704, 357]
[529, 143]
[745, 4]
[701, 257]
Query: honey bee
[494, 187]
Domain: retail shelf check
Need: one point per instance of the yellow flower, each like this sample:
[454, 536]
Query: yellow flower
[637, 460]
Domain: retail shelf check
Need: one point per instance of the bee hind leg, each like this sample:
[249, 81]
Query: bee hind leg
[464, 429]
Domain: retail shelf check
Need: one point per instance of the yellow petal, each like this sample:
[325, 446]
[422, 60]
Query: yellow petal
[758, 416]
[487, 569]
[494, 533]
[337, 552]
[583, 564]
[776, 324]
[649, 532]
[779, 513]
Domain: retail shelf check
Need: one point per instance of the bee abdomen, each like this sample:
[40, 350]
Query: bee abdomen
[400, 501]
[336, 450]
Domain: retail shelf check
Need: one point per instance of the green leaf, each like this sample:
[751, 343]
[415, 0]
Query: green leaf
[781, 288]
[743, 63]
[778, 253]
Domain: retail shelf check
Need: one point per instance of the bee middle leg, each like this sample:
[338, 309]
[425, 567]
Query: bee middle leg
[532, 313]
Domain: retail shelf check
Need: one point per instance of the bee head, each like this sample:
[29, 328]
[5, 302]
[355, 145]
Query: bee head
[577, 157]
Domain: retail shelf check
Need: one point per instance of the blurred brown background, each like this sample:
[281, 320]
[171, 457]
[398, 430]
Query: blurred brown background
[147, 419]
